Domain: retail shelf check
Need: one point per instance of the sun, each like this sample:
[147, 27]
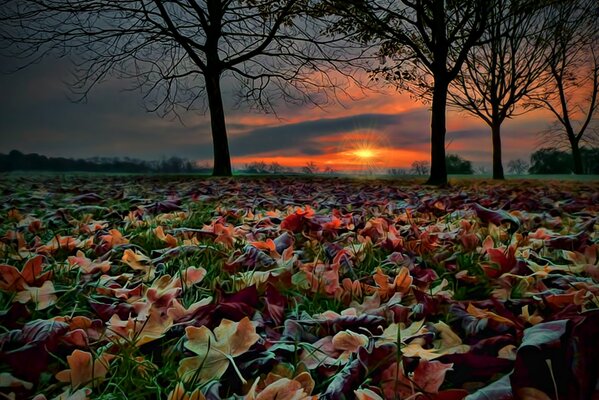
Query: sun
[365, 153]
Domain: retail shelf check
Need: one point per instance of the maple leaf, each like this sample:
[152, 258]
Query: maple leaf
[7, 380]
[114, 238]
[427, 378]
[84, 369]
[43, 296]
[179, 393]
[192, 275]
[86, 265]
[169, 239]
[216, 350]
[11, 279]
[481, 314]
[142, 329]
[401, 284]
[366, 394]
[283, 388]
[139, 262]
[67, 243]
[177, 311]
[81, 394]
[348, 342]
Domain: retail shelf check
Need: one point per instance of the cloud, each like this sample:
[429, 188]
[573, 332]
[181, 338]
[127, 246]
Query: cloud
[36, 116]
[304, 137]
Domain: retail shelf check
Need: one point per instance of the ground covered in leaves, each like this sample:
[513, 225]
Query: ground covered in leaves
[192, 288]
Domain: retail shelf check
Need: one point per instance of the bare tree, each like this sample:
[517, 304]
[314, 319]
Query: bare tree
[420, 167]
[571, 94]
[518, 166]
[423, 44]
[507, 67]
[311, 168]
[276, 168]
[179, 51]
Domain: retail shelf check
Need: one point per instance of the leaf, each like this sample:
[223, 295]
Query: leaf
[366, 394]
[496, 217]
[140, 330]
[215, 350]
[85, 369]
[179, 393]
[427, 378]
[11, 279]
[9, 381]
[298, 388]
[139, 262]
[43, 297]
[86, 265]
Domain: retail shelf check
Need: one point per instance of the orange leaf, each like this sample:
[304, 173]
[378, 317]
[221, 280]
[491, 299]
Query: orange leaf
[84, 370]
[480, 313]
[216, 349]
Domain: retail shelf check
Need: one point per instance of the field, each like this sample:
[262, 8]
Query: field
[185, 288]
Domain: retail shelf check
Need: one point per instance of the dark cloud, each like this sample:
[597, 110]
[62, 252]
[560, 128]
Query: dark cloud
[304, 135]
[37, 116]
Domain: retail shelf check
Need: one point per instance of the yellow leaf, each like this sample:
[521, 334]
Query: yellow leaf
[179, 393]
[215, 350]
[43, 297]
[349, 341]
[366, 394]
[139, 262]
[84, 370]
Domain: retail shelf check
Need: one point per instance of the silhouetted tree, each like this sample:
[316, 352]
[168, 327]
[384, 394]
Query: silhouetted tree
[396, 172]
[328, 170]
[310, 168]
[423, 45]
[180, 51]
[16, 160]
[457, 165]
[276, 168]
[420, 167]
[517, 167]
[590, 160]
[508, 66]
[571, 94]
[256, 167]
[550, 161]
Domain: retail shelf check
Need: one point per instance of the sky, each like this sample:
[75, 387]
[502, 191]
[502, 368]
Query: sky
[381, 130]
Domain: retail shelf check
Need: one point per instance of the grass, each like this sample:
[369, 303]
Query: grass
[247, 210]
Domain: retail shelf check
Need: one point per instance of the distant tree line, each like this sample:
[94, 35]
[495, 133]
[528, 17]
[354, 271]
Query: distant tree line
[17, 161]
[555, 161]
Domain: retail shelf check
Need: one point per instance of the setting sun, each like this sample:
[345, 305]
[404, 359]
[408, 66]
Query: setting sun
[364, 153]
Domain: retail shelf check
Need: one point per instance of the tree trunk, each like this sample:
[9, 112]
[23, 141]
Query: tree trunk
[438, 168]
[496, 136]
[576, 157]
[220, 143]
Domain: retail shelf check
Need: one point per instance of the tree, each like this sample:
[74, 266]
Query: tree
[276, 168]
[572, 91]
[457, 165]
[179, 52]
[517, 167]
[550, 161]
[507, 67]
[420, 167]
[590, 160]
[256, 167]
[425, 42]
[310, 168]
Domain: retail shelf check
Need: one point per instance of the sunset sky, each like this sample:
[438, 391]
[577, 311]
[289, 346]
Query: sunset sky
[383, 130]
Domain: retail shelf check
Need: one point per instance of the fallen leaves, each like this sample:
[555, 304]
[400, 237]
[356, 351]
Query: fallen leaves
[291, 289]
[215, 350]
[85, 369]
